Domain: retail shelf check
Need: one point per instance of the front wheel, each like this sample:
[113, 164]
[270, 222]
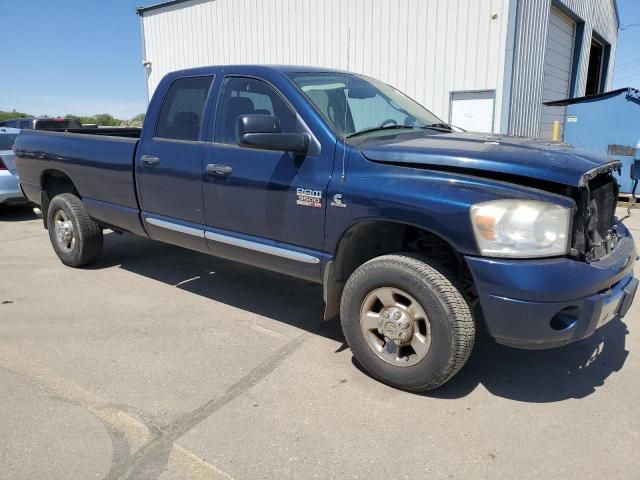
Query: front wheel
[76, 238]
[406, 322]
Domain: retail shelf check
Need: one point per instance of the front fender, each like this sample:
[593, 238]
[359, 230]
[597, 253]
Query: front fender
[435, 201]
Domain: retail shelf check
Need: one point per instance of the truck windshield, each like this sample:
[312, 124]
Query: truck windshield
[356, 105]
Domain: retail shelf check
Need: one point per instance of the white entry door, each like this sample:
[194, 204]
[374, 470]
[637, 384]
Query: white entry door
[473, 111]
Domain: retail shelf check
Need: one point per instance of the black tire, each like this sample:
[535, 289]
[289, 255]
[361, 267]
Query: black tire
[452, 328]
[87, 234]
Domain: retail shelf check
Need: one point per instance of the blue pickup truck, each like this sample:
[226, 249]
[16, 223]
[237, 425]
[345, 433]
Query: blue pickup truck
[419, 234]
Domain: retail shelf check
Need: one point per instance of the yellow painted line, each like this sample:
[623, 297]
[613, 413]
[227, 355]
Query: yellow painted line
[266, 331]
[136, 432]
[194, 465]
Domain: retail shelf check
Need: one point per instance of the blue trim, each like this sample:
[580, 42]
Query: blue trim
[577, 52]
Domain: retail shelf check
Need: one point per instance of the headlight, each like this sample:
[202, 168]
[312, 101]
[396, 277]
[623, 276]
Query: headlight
[521, 228]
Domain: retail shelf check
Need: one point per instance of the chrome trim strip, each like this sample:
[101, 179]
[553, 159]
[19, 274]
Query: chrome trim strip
[260, 247]
[176, 227]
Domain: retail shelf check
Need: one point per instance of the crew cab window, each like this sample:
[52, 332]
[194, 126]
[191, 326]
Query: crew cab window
[183, 108]
[244, 96]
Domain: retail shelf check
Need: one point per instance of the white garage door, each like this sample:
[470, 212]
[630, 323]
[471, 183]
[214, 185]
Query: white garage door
[473, 111]
[558, 65]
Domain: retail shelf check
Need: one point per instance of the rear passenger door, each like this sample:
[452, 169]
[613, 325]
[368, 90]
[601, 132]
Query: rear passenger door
[169, 165]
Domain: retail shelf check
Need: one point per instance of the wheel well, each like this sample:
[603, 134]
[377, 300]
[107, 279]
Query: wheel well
[368, 240]
[54, 182]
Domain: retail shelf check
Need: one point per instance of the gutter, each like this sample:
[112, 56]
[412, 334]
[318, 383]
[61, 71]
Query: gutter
[509, 63]
[142, 10]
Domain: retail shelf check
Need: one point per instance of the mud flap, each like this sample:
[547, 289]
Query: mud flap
[332, 291]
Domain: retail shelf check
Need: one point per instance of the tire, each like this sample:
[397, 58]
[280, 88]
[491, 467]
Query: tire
[68, 216]
[413, 298]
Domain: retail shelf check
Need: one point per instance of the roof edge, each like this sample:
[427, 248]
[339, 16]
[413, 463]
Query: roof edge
[142, 10]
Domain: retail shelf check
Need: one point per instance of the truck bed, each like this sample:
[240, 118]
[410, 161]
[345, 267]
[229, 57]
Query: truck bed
[99, 162]
[128, 132]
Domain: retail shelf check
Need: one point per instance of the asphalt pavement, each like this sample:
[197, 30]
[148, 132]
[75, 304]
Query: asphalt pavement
[162, 363]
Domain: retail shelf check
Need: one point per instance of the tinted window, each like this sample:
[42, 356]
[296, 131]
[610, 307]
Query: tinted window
[244, 96]
[53, 124]
[25, 124]
[183, 108]
[7, 140]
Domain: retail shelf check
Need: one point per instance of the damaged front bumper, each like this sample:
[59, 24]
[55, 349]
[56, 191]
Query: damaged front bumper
[552, 302]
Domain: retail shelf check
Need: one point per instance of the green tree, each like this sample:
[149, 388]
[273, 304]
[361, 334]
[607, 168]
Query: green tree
[136, 121]
[106, 120]
[13, 114]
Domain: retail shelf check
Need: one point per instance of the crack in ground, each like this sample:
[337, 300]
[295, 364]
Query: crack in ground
[151, 459]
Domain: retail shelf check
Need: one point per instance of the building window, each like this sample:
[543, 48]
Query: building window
[597, 70]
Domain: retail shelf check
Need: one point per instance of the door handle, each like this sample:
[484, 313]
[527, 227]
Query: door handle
[219, 170]
[150, 160]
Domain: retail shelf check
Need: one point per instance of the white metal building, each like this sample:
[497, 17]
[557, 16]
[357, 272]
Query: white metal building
[484, 65]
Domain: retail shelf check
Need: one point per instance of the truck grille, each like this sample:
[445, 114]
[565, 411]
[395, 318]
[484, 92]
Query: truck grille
[592, 227]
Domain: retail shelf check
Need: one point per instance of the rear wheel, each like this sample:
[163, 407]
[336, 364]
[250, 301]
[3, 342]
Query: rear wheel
[76, 238]
[406, 322]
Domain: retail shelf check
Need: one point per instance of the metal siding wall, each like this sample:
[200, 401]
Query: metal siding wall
[531, 42]
[426, 48]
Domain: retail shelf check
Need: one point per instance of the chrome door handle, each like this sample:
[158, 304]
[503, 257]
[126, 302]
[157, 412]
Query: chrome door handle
[150, 160]
[219, 170]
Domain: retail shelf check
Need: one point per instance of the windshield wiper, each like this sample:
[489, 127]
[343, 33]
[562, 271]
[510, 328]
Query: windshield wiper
[441, 127]
[377, 129]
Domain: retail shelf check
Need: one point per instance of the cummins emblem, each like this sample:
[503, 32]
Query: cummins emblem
[309, 198]
[337, 201]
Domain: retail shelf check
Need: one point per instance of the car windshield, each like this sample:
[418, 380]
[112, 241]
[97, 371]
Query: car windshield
[7, 140]
[356, 105]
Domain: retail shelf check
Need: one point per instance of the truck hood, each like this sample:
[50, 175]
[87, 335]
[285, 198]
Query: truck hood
[525, 157]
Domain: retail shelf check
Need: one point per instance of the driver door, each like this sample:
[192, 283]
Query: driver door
[268, 205]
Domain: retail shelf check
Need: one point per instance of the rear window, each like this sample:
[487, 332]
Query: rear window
[182, 109]
[56, 124]
[7, 140]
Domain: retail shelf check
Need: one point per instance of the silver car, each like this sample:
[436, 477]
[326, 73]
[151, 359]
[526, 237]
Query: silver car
[10, 192]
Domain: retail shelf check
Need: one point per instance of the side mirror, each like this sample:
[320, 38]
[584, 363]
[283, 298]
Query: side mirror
[264, 132]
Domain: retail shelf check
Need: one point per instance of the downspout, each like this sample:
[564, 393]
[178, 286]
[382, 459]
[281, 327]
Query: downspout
[144, 54]
[509, 61]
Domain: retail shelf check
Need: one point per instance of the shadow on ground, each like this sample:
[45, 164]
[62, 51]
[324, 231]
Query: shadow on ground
[295, 302]
[17, 213]
[540, 376]
[574, 371]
